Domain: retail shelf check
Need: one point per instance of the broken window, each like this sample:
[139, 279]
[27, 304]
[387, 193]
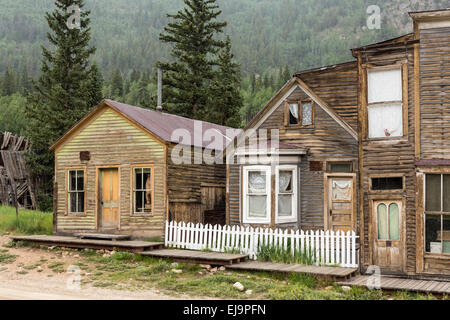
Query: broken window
[385, 105]
[142, 190]
[76, 191]
[437, 213]
[299, 113]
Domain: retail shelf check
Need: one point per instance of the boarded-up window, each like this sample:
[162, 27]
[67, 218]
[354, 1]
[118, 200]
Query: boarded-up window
[76, 191]
[142, 190]
[385, 105]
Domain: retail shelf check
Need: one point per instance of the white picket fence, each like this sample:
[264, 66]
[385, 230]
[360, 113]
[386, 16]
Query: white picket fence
[323, 247]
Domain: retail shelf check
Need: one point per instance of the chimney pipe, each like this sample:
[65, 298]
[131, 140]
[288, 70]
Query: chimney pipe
[159, 105]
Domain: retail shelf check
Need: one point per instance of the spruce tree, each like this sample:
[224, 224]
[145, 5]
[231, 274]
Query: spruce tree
[225, 97]
[192, 33]
[65, 91]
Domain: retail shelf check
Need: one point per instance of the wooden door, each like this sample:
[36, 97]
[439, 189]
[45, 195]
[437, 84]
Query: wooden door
[387, 235]
[109, 198]
[339, 207]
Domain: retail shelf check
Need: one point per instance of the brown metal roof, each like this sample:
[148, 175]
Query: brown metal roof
[167, 127]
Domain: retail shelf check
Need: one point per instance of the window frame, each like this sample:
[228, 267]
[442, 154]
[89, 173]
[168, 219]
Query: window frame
[300, 104]
[440, 213]
[388, 203]
[294, 216]
[132, 189]
[349, 162]
[67, 191]
[371, 176]
[245, 195]
[403, 67]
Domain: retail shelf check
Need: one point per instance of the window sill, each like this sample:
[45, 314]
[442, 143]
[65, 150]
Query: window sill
[387, 140]
[76, 214]
[138, 214]
[249, 221]
[283, 221]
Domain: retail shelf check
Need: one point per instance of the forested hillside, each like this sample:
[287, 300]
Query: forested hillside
[266, 36]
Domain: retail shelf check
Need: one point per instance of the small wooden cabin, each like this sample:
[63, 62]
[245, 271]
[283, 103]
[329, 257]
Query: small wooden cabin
[117, 171]
[313, 183]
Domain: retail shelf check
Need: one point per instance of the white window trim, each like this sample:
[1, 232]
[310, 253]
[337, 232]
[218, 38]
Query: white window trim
[246, 218]
[383, 103]
[294, 216]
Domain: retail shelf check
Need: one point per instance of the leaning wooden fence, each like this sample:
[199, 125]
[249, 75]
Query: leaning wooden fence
[326, 247]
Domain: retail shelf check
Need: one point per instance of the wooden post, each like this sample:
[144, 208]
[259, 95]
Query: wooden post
[15, 201]
[55, 205]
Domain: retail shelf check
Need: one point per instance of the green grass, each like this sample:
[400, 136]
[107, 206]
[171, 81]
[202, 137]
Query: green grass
[29, 222]
[274, 253]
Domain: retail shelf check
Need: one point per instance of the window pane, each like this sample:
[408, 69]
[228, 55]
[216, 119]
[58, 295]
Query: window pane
[72, 180]
[432, 230]
[446, 234]
[139, 201]
[257, 182]
[386, 120]
[307, 114]
[148, 201]
[394, 229]
[73, 202]
[138, 178]
[446, 193]
[285, 181]
[384, 85]
[147, 179]
[433, 192]
[80, 206]
[387, 183]
[257, 206]
[382, 221]
[80, 180]
[340, 167]
[285, 205]
[293, 113]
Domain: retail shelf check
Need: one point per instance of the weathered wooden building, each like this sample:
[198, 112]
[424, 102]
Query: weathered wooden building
[16, 186]
[122, 169]
[404, 115]
[311, 182]
[373, 154]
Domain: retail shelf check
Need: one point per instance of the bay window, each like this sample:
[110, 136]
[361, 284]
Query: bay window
[385, 102]
[437, 213]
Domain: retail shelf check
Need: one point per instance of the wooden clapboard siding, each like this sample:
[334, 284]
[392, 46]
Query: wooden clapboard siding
[384, 158]
[337, 86]
[435, 93]
[111, 141]
[186, 182]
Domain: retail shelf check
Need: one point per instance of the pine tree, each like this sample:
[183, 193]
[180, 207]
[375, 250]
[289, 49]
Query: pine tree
[286, 74]
[226, 99]
[65, 91]
[117, 84]
[193, 35]
[9, 83]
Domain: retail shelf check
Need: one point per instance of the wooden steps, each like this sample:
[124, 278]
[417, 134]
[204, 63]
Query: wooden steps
[103, 236]
[73, 242]
[318, 271]
[190, 256]
[401, 284]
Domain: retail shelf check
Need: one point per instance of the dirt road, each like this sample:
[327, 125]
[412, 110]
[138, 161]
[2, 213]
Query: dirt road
[29, 277]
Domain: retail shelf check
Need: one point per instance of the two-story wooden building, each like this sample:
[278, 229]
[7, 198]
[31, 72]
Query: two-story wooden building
[363, 145]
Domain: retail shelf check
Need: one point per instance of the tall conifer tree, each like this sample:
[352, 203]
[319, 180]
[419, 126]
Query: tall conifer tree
[67, 88]
[193, 34]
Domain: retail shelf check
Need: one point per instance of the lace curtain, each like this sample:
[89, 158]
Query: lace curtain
[293, 108]
[285, 200]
